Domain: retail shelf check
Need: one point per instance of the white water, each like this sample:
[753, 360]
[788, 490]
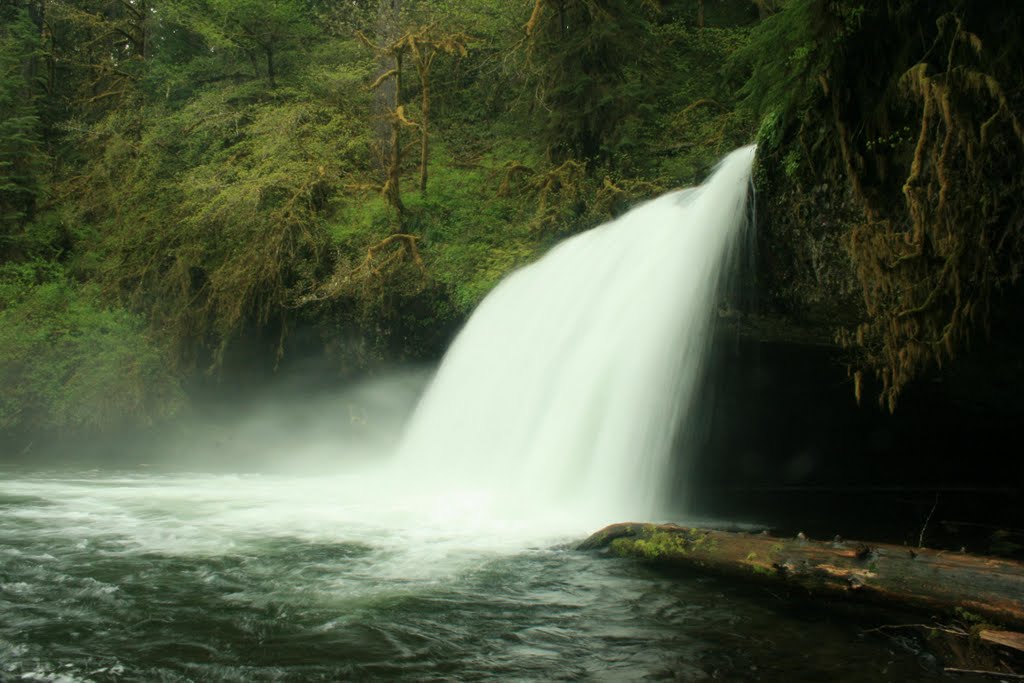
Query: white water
[554, 413]
[562, 396]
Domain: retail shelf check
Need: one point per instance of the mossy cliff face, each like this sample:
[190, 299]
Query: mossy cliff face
[805, 275]
[890, 157]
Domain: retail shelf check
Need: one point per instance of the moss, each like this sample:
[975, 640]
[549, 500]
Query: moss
[758, 567]
[968, 616]
[929, 274]
[662, 545]
[623, 547]
[655, 544]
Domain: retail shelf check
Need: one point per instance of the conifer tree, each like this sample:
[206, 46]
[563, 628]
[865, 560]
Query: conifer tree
[19, 123]
[587, 58]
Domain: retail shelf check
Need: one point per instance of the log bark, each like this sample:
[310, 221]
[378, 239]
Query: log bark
[1007, 639]
[989, 587]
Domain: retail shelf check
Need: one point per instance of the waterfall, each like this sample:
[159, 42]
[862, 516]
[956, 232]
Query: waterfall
[565, 391]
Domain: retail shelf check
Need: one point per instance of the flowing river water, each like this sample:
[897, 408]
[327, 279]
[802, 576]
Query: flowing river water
[138, 575]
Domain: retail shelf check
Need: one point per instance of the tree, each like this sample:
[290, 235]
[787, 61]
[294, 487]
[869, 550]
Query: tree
[262, 29]
[97, 50]
[20, 153]
[395, 115]
[587, 63]
[425, 44]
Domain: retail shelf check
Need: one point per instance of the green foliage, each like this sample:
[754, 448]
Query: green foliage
[791, 50]
[263, 30]
[216, 173]
[96, 52]
[20, 156]
[248, 219]
[471, 236]
[70, 362]
[587, 59]
[791, 163]
[696, 119]
[769, 134]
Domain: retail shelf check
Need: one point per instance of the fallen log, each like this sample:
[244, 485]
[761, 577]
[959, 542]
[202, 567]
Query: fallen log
[988, 587]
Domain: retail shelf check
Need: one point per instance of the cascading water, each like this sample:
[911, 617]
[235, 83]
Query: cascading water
[564, 392]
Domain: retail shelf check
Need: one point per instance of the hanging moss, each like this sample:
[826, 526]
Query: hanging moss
[249, 219]
[929, 280]
[924, 137]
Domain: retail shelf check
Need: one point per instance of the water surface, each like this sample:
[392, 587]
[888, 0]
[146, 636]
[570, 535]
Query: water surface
[150, 576]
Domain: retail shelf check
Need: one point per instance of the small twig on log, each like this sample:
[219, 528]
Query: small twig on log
[982, 672]
[920, 538]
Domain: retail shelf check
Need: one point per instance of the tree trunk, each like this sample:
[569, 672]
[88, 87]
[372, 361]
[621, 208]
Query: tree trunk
[388, 28]
[990, 587]
[765, 8]
[424, 128]
[254, 60]
[700, 13]
[37, 15]
[271, 74]
[393, 192]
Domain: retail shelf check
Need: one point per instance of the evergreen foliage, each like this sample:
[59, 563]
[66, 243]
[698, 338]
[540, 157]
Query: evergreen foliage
[20, 153]
[587, 61]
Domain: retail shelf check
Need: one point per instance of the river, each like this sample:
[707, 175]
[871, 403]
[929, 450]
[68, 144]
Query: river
[142, 575]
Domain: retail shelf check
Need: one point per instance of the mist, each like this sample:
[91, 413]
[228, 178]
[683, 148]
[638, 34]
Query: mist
[291, 425]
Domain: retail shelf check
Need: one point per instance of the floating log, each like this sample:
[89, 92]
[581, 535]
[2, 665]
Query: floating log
[988, 587]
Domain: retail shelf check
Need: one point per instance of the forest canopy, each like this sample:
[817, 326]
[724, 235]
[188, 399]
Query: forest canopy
[193, 187]
[190, 185]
